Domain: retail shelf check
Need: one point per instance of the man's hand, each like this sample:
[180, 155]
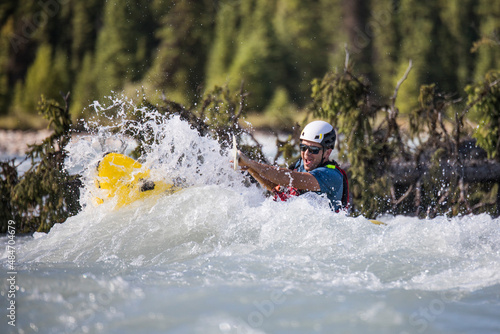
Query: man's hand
[243, 160]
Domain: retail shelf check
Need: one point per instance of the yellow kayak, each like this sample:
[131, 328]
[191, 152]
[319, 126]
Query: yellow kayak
[123, 178]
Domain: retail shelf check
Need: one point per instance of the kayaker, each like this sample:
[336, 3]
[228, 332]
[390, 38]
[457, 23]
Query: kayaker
[314, 171]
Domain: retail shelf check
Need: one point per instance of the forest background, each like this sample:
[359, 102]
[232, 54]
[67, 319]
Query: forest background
[183, 48]
[409, 85]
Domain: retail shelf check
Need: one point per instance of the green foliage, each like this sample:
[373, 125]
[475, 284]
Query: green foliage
[47, 76]
[460, 21]
[485, 98]
[268, 44]
[416, 45]
[117, 44]
[376, 148]
[37, 79]
[188, 47]
[5, 91]
[382, 26]
[60, 76]
[219, 114]
[45, 194]
[258, 57]
[428, 119]
[342, 99]
[487, 48]
[220, 109]
[85, 90]
[280, 111]
[220, 55]
[303, 42]
[86, 16]
[123, 48]
[185, 32]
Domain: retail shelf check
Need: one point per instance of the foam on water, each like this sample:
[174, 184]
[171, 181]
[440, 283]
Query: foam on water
[219, 257]
[213, 223]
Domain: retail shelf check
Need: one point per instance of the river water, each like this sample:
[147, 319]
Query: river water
[220, 257]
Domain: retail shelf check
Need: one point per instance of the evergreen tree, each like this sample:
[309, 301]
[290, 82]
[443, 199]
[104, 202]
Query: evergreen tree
[5, 91]
[121, 44]
[184, 45]
[256, 57]
[185, 37]
[445, 58]
[85, 21]
[303, 43]
[279, 111]
[418, 23]
[84, 88]
[16, 106]
[7, 7]
[19, 33]
[459, 18]
[57, 14]
[382, 27]
[48, 76]
[224, 44]
[484, 97]
[356, 15]
[488, 46]
[39, 80]
[332, 24]
[60, 74]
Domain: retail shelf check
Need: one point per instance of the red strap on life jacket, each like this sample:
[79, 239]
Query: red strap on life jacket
[284, 193]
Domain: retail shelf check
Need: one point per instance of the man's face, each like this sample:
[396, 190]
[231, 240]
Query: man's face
[312, 161]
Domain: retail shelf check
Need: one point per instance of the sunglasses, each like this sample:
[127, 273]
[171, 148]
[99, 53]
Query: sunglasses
[312, 149]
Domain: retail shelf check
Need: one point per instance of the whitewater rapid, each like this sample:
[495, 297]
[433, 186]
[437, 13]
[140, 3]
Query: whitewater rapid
[220, 257]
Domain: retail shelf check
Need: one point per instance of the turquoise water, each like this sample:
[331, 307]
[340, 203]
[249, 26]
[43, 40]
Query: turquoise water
[219, 257]
[236, 266]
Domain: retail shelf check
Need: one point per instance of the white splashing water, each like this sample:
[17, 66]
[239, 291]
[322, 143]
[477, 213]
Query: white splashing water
[219, 257]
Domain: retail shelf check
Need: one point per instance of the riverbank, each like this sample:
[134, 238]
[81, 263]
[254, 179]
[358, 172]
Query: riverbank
[16, 142]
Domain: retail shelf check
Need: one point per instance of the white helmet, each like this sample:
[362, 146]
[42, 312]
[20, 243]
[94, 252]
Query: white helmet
[319, 132]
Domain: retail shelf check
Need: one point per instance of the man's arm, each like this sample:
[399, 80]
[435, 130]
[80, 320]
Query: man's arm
[280, 176]
[263, 182]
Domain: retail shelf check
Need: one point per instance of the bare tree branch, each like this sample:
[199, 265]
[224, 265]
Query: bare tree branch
[398, 85]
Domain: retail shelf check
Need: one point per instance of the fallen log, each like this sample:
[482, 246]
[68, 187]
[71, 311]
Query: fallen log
[407, 173]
